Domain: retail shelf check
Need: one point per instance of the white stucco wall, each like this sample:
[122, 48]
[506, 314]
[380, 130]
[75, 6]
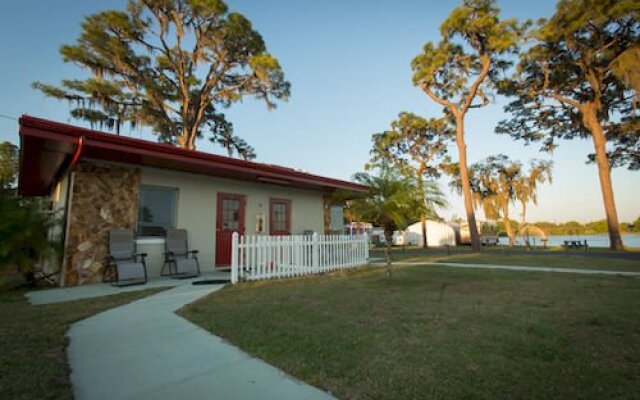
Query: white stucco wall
[197, 207]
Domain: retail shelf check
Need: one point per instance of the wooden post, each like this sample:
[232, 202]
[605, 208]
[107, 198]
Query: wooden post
[366, 247]
[315, 255]
[234, 258]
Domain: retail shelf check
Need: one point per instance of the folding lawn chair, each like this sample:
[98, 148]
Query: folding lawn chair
[124, 265]
[181, 262]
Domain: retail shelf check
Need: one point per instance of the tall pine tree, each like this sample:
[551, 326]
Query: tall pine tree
[171, 65]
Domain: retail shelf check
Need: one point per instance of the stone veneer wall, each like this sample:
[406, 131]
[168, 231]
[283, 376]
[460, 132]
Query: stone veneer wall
[326, 203]
[104, 197]
[329, 201]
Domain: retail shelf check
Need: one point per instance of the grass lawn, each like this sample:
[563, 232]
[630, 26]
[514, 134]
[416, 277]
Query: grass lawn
[440, 333]
[33, 362]
[554, 258]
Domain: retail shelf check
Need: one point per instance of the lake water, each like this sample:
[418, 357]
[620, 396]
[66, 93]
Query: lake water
[630, 240]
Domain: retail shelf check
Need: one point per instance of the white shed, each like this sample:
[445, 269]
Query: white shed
[438, 234]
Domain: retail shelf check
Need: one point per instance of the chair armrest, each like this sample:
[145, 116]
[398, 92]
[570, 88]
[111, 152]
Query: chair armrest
[193, 251]
[141, 255]
[168, 255]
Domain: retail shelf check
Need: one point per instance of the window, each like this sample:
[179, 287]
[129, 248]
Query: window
[157, 209]
[337, 218]
[280, 217]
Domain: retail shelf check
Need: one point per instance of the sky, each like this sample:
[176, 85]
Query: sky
[349, 65]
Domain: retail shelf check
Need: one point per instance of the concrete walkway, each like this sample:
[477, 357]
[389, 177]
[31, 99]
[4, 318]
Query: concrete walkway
[518, 268]
[143, 350]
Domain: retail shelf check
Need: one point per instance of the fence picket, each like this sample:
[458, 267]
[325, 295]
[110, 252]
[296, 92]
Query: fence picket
[257, 257]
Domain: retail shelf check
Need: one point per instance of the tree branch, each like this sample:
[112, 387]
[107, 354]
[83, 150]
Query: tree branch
[554, 93]
[486, 64]
[437, 99]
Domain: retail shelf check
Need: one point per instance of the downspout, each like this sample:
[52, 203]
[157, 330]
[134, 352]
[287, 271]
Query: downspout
[67, 211]
[76, 155]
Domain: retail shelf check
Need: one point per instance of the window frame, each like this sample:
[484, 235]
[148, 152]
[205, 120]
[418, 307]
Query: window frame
[272, 230]
[175, 191]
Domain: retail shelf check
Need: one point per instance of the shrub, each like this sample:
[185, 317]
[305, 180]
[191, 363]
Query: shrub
[25, 230]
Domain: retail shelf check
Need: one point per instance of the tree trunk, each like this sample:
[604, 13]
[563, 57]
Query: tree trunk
[509, 229]
[191, 137]
[186, 139]
[510, 233]
[466, 186]
[388, 236]
[604, 171]
[423, 225]
[507, 223]
[423, 216]
[525, 236]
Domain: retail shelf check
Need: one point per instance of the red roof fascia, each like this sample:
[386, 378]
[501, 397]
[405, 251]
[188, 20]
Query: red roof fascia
[110, 147]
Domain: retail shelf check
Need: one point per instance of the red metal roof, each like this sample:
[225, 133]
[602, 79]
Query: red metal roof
[49, 149]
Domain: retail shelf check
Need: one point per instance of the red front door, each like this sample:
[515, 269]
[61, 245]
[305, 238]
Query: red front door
[229, 219]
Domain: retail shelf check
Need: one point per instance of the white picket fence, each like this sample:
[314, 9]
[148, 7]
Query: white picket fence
[269, 257]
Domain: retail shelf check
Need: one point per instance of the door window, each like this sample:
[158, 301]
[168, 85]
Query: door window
[280, 217]
[231, 214]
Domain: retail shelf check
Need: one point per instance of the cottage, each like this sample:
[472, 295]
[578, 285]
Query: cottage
[99, 181]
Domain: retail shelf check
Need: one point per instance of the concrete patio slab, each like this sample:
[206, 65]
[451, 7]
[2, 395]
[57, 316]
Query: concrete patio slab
[143, 350]
[59, 295]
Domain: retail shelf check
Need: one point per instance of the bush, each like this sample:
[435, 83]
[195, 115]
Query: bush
[25, 234]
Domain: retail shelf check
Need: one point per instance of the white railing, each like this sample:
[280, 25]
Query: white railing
[269, 257]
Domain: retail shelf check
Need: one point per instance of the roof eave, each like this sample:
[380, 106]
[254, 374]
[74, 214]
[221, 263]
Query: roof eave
[109, 147]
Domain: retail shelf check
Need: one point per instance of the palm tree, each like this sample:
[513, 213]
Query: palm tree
[418, 147]
[393, 202]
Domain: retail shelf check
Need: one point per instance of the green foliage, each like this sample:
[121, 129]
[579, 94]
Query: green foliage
[8, 165]
[526, 186]
[498, 182]
[626, 67]
[222, 135]
[582, 61]
[393, 201]
[588, 228]
[461, 71]
[494, 181]
[170, 65]
[24, 234]
[24, 228]
[415, 145]
[473, 51]
[513, 226]
[634, 226]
